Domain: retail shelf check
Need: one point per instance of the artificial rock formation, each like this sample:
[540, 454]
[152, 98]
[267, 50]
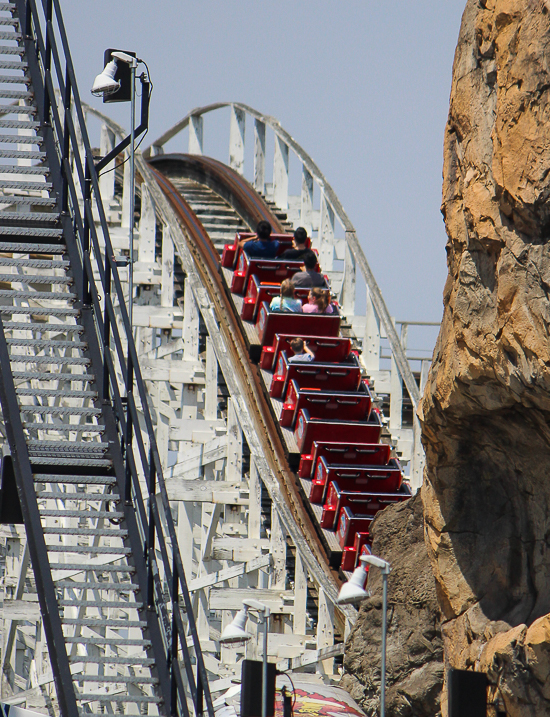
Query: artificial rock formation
[414, 645]
[486, 409]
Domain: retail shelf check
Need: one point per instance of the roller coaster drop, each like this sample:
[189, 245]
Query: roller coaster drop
[193, 428]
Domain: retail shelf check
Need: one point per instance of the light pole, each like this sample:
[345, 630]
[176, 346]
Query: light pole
[107, 85]
[235, 632]
[354, 591]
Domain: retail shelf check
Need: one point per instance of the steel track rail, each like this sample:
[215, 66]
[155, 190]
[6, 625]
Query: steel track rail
[207, 261]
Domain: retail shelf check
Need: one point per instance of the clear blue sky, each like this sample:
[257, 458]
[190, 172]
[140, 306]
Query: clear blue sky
[363, 86]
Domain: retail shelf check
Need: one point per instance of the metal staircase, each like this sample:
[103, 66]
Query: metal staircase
[112, 592]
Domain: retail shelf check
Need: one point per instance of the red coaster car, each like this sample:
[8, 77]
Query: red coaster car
[366, 503]
[327, 350]
[344, 376]
[349, 524]
[313, 429]
[349, 405]
[366, 454]
[270, 323]
[364, 479]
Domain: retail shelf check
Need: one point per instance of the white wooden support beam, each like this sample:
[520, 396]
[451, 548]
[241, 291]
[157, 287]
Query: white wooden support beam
[347, 296]
[326, 235]
[207, 491]
[306, 201]
[167, 275]
[10, 625]
[195, 134]
[235, 571]
[255, 502]
[279, 601]
[325, 630]
[312, 657]
[300, 596]
[371, 340]
[234, 469]
[236, 139]
[190, 325]
[239, 549]
[147, 226]
[185, 536]
[396, 398]
[280, 174]
[259, 156]
[396, 389]
[211, 387]
[278, 551]
[107, 176]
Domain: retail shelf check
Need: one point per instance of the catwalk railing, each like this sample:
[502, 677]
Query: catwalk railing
[119, 380]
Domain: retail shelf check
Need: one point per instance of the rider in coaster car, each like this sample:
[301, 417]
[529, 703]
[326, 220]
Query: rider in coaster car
[286, 301]
[308, 276]
[318, 302]
[300, 246]
[261, 247]
[302, 352]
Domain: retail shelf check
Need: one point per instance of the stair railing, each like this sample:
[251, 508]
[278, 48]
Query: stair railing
[118, 375]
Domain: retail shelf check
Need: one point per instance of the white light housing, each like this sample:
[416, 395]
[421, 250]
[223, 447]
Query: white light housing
[235, 631]
[105, 83]
[125, 57]
[354, 590]
[378, 563]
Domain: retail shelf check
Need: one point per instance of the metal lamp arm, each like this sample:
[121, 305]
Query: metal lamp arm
[121, 146]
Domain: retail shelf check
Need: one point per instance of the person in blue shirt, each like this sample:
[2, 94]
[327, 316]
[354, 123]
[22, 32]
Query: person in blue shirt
[286, 301]
[262, 247]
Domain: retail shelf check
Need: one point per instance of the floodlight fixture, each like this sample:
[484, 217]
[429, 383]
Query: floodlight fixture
[235, 631]
[354, 590]
[105, 83]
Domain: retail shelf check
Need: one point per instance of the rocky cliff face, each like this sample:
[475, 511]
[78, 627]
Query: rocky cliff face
[486, 410]
[414, 644]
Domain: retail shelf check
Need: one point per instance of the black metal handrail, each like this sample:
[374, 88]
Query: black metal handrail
[75, 179]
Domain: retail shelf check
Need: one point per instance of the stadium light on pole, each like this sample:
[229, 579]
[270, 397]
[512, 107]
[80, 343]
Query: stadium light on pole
[354, 591]
[235, 632]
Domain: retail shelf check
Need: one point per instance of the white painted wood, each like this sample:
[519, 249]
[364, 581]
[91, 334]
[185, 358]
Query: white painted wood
[279, 601]
[312, 657]
[255, 504]
[190, 325]
[259, 156]
[300, 596]
[347, 294]
[228, 573]
[234, 444]
[195, 134]
[107, 176]
[147, 227]
[396, 398]
[278, 551]
[236, 139]
[207, 491]
[326, 235]
[185, 536]
[280, 174]
[306, 201]
[211, 388]
[325, 630]
[167, 275]
[424, 371]
[371, 340]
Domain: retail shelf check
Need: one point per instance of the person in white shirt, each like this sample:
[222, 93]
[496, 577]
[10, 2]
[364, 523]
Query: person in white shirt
[302, 352]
